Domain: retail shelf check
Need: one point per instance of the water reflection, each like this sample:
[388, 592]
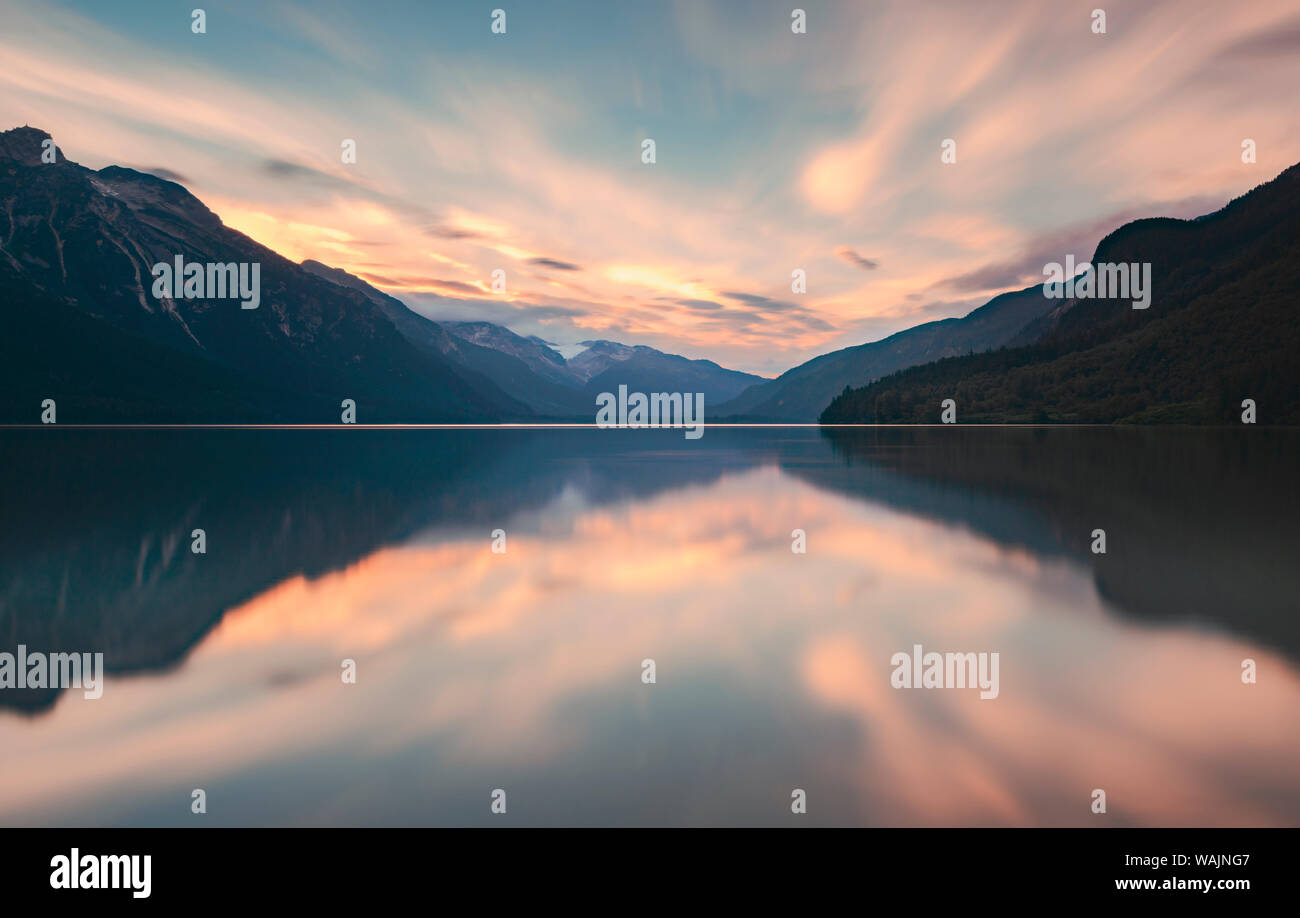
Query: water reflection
[521, 670]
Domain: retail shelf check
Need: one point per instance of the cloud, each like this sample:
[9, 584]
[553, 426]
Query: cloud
[524, 318]
[1018, 272]
[853, 258]
[162, 173]
[756, 312]
[379, 279]
[473, 162]
[451, 232]
[339, 44]
[755, 299]
[554, 263]
[1080, 240]
[1275, 41]
[423, 283]
[281, 168]
[287, 170]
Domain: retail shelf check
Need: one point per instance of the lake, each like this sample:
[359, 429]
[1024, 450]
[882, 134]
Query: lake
[525, 669]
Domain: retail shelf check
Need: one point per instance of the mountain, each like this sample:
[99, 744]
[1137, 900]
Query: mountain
[534, 375]
[596, 357]
[83, 325]
[485, 359]
[1222, 327]
[569, 387]
[94, 550]
[526, 368]
[1220, 556]
[605, 365]
[495, 375]
[535, 353]
[800, 394]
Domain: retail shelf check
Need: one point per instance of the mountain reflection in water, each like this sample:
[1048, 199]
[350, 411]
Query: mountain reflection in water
[522, 670]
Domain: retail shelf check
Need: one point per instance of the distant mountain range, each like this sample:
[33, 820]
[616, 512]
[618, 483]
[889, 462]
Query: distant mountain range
[802, 393]
[83, 327]
[1223, 326]
[532, 373]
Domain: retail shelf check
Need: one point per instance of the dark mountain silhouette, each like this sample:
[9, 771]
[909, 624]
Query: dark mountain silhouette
[1222, 327]
[496, 375]
[95, 546]
[800, 394]
[533, 375]
[1179, 551]
[84, 328]
[95, 542]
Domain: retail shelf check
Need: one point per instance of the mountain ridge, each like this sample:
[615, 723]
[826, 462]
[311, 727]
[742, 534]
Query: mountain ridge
[78, 250]
[1221, 328]
[76, 257]
[530, 371]
[800, 393]
[77, 247]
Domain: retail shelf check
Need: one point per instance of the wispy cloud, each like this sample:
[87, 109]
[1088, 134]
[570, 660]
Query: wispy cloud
[853, 258]
[554, 263]
[477, 154]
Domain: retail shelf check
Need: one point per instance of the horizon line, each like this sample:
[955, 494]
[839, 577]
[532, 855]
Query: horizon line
[593, 426]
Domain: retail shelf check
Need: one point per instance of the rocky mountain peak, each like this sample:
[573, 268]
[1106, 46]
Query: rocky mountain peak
[24, 145]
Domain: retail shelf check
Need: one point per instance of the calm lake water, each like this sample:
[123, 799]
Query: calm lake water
[522, 670]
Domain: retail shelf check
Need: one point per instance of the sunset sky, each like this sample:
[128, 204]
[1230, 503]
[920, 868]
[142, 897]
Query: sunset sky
[775, 151]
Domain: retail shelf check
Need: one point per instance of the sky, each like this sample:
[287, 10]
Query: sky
[775, 151]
